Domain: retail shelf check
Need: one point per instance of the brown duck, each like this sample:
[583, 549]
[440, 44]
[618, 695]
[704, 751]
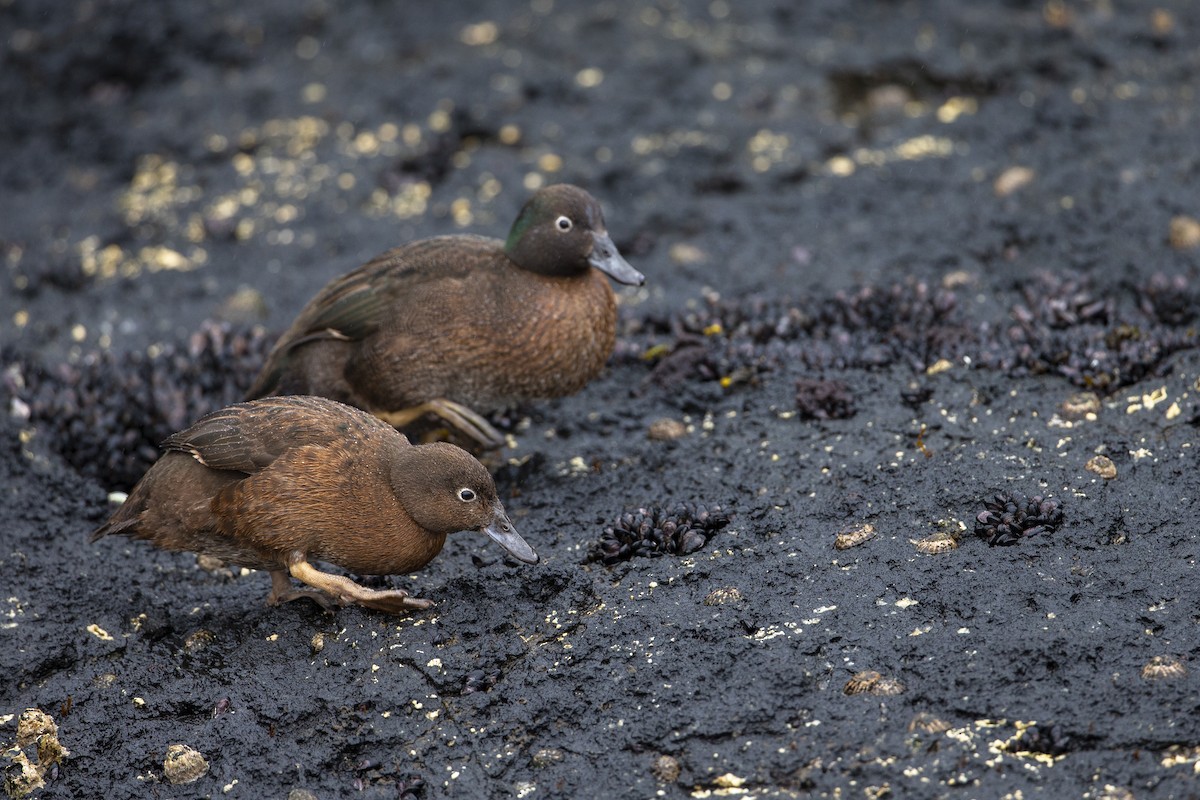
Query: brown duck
[276, 484]
[460, 326]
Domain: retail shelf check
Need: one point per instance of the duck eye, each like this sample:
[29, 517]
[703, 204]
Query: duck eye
[466, 495]
[564, 223]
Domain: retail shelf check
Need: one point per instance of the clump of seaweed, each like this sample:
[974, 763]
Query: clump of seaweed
[107, 413]
[1008, 518]
[1066, 327]
[677, 530]
[824, 399]
[1168, 299]
[1098, 338]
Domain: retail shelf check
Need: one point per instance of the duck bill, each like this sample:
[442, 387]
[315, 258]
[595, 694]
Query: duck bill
[504, 534]
[605, 258]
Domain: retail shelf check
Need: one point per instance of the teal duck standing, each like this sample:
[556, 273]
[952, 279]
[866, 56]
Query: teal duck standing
[460, 326]
[278, 483]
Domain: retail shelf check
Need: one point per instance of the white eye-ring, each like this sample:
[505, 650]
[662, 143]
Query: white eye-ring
[564, 223]
[466, 495]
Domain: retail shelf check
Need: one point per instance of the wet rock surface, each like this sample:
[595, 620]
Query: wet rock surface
[888, 249]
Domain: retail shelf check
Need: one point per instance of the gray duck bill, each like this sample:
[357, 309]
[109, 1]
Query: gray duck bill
[503, 533]
[605, 258]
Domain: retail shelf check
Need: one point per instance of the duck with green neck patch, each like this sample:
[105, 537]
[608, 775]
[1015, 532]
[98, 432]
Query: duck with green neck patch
[460, 326]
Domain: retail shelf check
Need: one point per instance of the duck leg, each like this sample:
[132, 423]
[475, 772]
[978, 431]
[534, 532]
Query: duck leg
[455, 414]
[339, 590]
[283, 592]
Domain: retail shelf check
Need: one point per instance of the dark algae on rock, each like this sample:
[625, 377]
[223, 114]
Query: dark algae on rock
[904, 260]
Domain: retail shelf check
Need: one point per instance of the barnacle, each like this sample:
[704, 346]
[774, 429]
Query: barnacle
[665, 769]
[854, 536]
[886, 686]
[32, 724]
[872, 682]
[1163, 668]
[924, 722]
[723, 595]
[1102, 466]
[1008, 518]
[678, 530]
[1080, 405]
[935, 543]
[183, 765]
[34, 727]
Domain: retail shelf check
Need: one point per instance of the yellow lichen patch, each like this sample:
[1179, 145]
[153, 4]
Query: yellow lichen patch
[922, 147]
[1184, 233]
[684, 253]
[589, 77]
[656, 352]
[729, 781]
[956, 107]
[842, 166]
[1178, 755]
[1012, 180]
[155, 191]
[99, 633]
[767, 148]
[479, 34]
[411, 200]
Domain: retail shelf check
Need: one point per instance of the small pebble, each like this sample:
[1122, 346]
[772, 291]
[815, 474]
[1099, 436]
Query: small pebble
[1012, 180]
[666, 429]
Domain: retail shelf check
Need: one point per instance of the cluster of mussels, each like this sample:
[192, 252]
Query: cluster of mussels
[1059, 324]
[1065, 327]
[678, 530]
[1007, 518]
[379, 775]
[822, 399]
[107, 414]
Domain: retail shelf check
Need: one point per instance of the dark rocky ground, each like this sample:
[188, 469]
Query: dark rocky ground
[885, 243]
